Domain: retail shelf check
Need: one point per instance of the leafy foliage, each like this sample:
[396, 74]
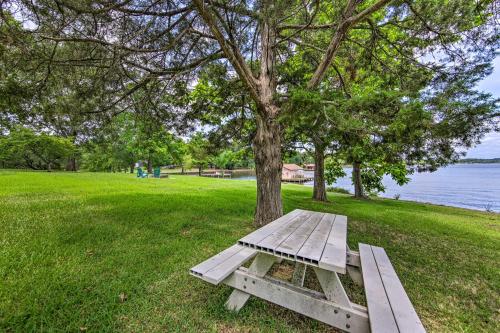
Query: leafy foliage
[334, 170]
[25, 149]
[129, 139]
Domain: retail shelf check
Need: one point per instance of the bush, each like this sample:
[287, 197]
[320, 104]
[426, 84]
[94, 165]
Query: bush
[337, 190]
[23, 148]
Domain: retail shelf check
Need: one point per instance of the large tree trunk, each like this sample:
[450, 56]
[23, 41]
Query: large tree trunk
[267, 141]
[319, 190]
[199, 170]
[268, 164]
[150, 164]
[71, 165]
[356, 177]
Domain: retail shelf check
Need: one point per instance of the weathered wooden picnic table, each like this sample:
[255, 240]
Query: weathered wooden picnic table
[318, 240]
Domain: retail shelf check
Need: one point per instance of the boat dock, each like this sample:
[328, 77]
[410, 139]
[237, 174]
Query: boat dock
[217, 174]
[297, 180]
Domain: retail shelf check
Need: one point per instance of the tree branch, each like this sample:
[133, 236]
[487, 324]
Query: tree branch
[368, 11]
[231, 51]
[168, 47]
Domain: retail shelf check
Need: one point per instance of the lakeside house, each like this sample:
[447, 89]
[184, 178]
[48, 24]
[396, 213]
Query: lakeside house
[291, 171]
[309, 167]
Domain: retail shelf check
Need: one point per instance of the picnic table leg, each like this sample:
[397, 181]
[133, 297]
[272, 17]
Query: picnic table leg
[331, 285]
[355, 275]
[353, 266]
[351, 317]
[259, 267]
[299, 274]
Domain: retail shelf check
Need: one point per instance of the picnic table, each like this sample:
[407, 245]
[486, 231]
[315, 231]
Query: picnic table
[317, 240]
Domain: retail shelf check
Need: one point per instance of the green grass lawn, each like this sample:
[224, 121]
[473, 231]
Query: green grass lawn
[71, 244]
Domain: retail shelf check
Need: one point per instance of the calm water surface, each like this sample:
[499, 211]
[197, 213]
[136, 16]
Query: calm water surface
[474, 186]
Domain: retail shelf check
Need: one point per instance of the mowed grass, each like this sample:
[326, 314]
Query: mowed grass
[102, 252]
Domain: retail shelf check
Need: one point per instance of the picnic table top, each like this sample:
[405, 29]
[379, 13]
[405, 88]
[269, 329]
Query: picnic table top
[312, 238]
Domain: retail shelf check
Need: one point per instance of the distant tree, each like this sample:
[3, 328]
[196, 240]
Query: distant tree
[243, 156]
[294, 157]
[225, 159]
[127, 139]
[187, 161]
[309, 123]
[24, 148]
[395, 134]
[198, 148]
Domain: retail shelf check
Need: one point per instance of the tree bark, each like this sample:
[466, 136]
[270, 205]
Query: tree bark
[268, 164]
[71, 165]
[267, 141]
[356, 177]
[319, 189]
[150, 165]
[199, 170]
[132, 167]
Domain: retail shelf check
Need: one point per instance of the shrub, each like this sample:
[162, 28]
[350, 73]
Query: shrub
[337, 190]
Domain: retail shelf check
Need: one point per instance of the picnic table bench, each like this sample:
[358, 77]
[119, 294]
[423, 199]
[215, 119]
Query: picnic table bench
[317, 240]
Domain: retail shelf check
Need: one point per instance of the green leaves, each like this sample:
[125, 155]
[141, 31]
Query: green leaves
[334, 170]
[23, 148]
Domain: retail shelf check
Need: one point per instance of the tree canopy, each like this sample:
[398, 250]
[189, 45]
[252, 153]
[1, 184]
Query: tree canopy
[121, 55]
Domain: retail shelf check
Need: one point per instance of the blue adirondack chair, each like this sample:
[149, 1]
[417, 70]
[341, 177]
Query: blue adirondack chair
[141, 173]
[156, 173]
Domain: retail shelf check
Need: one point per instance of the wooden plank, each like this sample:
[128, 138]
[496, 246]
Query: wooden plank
[261, 233]
[404, 313]
[304, 301]
[334, 255]
[272, 241]
[227, 267]
[294, 242]
[208, 264]
[313, 247]
[379, 308]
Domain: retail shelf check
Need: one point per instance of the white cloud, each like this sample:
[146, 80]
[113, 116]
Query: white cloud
[491, 83]
[490, 145]
[488, 148]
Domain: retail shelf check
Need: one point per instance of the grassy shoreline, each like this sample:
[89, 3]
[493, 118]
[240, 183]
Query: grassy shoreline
[71, 244]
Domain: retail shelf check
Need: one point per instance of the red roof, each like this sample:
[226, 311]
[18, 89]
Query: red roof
[292, 167]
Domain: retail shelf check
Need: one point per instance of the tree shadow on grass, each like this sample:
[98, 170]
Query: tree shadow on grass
[123, 243]
[142, 245]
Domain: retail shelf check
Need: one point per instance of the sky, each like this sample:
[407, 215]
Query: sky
[490, 145]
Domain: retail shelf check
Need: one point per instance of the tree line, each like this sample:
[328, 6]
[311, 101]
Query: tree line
[120, 148]
[387, 86]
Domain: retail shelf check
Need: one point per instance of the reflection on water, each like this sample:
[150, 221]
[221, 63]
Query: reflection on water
[475, 186]
[243, 174]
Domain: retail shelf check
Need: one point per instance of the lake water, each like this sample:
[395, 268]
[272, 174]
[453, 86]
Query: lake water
[474, 186]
